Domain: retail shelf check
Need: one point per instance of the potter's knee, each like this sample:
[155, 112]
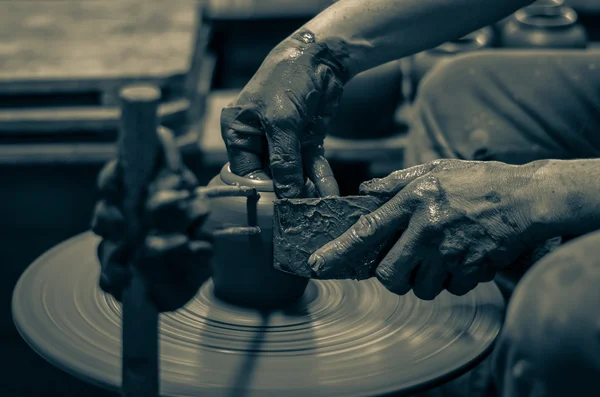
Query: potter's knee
[551, 336]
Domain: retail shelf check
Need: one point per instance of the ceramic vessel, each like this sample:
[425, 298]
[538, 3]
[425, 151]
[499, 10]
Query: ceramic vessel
[546, 4]
[544, 27]
[498, 27]
[421, 63]
[368, 104]
[243, 271]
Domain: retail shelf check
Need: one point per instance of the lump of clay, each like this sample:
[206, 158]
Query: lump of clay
[301, 226]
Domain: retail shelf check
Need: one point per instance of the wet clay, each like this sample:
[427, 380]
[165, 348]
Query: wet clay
[242, 268]
[301, 226]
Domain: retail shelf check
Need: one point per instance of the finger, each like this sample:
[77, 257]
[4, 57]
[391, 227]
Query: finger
[319, 171]
[317, 168]
[171, 155]
[285, 159]
[114, 274]
[176, 211]
[188, 179]
[183, 180]
[370, 231]
[189, 260]
[109, 182]
[475, 265]
[310, 190]
[166, 180]
[430, 279]
[108, 221]
[244, 139]
[396, 181]
[158, 246]
[460, 285]
[395, 272]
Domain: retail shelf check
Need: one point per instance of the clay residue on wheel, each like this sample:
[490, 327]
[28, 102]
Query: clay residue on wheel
[301, 226]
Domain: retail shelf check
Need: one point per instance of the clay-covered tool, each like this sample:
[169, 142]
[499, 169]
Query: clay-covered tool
[301, 226]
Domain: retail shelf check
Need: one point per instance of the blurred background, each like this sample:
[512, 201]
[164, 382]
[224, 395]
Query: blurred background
[63, 62]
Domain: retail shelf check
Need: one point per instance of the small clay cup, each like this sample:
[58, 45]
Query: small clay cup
[498, 27]
[544, 27]
[243, 272]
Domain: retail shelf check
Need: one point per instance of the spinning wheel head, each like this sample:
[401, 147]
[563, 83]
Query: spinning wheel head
[340, 339]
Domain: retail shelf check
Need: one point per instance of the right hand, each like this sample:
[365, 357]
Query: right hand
[279, 120]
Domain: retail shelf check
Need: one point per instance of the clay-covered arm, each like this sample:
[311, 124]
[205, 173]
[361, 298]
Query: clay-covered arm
[569, 192]
[379, 31]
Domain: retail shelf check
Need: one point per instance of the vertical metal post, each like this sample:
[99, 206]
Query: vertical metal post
[139, 151]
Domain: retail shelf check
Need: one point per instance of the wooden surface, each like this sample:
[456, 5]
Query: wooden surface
[84, 45]
[57, 121]
[210, 144]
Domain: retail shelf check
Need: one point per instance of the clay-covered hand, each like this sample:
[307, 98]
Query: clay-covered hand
[278, 122]
[175, 256]
[449, 224]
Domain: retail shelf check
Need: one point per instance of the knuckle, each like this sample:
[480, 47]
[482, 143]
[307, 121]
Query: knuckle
[429, 226]
[450, 249]
[429, 188]
[367, 226]
[288, 118]
[284, 160]
[437, 162]
[442, 164]
[234, 139]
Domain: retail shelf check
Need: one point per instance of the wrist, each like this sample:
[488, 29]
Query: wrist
[566, 201]
[320, 50]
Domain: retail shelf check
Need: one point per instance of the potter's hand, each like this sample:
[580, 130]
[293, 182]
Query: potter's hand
[175, 259]
[451, 224]
[280, 118]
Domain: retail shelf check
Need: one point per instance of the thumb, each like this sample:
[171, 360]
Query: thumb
[368, 233]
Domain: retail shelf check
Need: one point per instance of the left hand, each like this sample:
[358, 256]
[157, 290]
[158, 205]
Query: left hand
[176, 254]
[456, 224]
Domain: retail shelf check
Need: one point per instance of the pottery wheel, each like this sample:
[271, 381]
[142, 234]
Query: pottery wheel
[345, 338]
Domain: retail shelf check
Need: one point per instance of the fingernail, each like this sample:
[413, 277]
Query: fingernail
[316, 262]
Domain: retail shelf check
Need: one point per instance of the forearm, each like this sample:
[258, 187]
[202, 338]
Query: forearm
[378, 31]
[569, 191]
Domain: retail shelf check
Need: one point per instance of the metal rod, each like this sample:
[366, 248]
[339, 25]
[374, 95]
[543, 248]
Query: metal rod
[139, 149]
[226, 191]
[236, 231]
